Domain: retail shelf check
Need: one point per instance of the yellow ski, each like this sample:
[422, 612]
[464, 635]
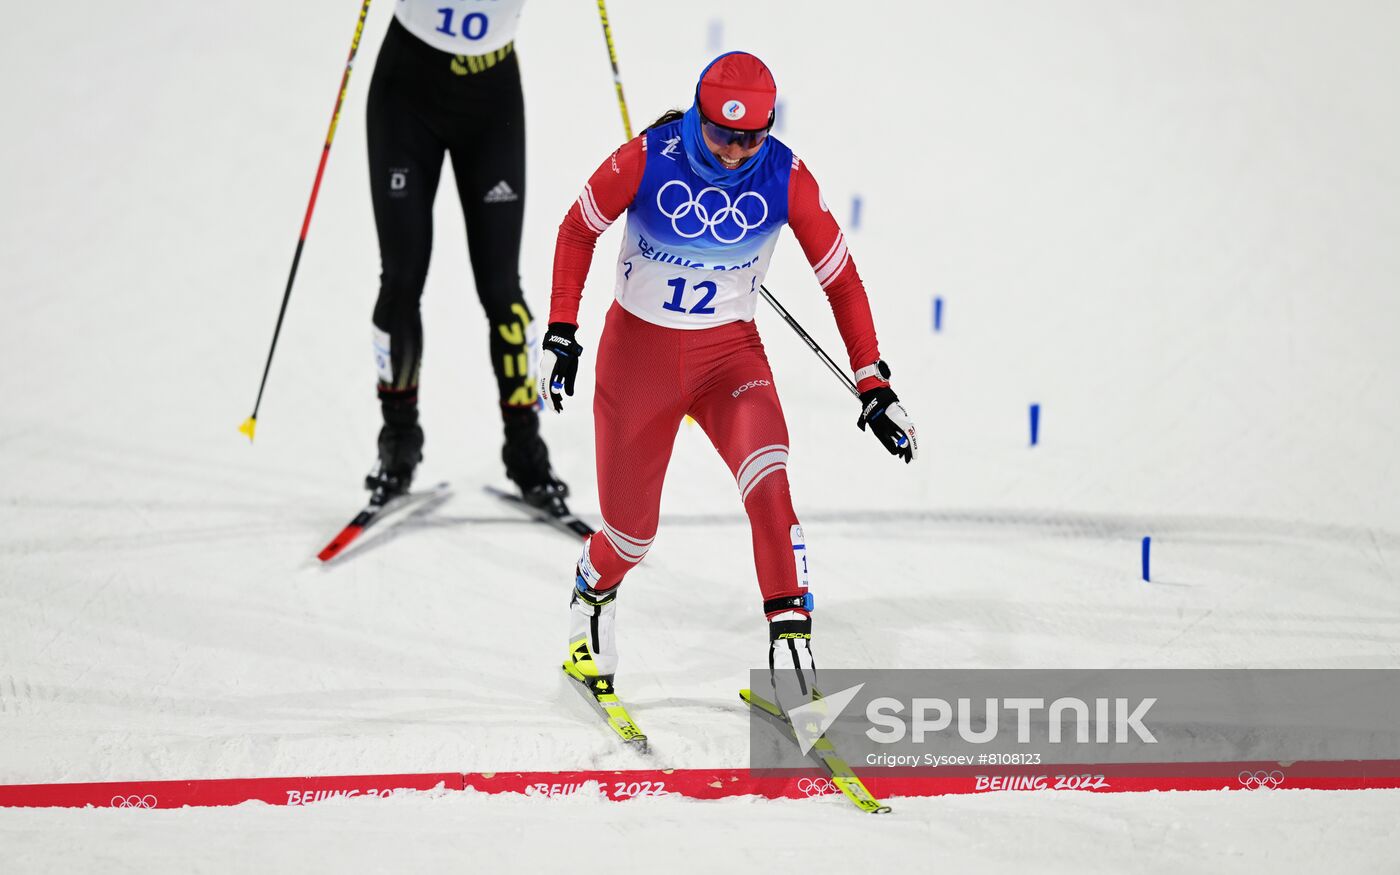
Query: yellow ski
[824, 753]
[598, 693]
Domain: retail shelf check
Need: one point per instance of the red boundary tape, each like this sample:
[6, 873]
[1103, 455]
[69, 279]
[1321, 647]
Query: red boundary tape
[718, 783]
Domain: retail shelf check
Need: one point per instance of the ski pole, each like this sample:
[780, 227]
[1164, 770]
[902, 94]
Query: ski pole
[807, 338]
[251, 423]
[617, 77]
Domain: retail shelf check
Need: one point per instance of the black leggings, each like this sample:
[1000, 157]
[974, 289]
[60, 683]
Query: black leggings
[424, 103]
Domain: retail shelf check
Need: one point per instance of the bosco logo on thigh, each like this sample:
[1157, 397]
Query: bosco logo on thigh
[751, 384]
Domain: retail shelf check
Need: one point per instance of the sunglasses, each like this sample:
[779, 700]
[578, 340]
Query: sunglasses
[723, 136]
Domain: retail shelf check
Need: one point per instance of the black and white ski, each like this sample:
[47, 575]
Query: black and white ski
[377, 511]
[566, 523]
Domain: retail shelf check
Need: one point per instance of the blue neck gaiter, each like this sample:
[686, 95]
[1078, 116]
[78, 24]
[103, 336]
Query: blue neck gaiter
[706, 165]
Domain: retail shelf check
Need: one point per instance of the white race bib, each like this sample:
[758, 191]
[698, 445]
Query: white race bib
[461, 27]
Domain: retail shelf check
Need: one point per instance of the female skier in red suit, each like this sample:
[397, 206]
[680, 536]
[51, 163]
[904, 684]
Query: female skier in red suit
[706, 193]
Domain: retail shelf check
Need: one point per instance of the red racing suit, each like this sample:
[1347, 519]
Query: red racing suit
[680, 339]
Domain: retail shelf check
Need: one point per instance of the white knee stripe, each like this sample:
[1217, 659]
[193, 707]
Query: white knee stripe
[760, 465]
[776, 466]
[643, 543]
[743, 466]
[628, 548]
[623, 552]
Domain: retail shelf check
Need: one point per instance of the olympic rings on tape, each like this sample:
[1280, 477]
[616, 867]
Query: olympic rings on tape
[816, 786]
[134, 801]
[1261, 780]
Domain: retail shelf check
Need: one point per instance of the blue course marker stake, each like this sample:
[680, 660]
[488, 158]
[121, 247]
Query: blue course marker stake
[1146, 555]
[1035, 424]
[937, 314]
[716, 34]
[778, 116]
[855, 212]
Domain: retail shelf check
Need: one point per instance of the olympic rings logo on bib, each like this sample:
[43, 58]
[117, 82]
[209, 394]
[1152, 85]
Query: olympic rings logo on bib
[728, 221]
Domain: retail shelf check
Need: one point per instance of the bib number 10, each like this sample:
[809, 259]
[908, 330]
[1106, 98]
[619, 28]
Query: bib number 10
[474, 24]
[701, 307]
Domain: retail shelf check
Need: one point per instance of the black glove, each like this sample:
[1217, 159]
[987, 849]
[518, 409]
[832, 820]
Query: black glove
[888, 421]
[559, 363]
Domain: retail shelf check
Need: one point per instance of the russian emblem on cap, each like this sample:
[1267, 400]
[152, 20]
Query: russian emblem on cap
[737, 88]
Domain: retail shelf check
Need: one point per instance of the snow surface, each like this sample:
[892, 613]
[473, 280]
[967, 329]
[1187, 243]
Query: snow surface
[1172, 226]
[1041, 832]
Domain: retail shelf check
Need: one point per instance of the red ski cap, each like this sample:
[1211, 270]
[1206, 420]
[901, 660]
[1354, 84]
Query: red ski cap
[737, 91]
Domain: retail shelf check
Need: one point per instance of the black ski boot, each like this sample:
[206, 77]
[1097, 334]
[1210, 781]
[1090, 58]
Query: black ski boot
[400, 451]
[527, 463]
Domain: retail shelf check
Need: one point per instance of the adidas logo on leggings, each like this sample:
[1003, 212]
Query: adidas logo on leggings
[501, 193]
